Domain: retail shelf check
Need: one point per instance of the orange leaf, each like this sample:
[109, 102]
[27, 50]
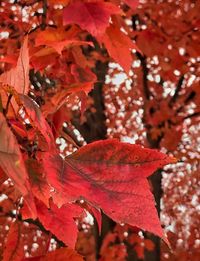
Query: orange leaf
[119, 47]
[18, 77]
[58, 39]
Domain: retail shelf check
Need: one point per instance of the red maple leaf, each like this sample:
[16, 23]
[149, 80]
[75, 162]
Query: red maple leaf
[110, 175]
[18, 77]
[60, 221]
[119, 46]
[13, 249]
[39, 186]
[11, 161]
[91, 16]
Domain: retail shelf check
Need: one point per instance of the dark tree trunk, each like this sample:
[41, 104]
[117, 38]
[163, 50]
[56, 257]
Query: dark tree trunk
[156, 182]
[94, 128]
[156, 178]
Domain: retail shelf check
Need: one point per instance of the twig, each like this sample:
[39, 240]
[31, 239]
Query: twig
[145, 70]
[178, 88]
[192, 115]
[44, 15]
[190, 96]
[70, 136]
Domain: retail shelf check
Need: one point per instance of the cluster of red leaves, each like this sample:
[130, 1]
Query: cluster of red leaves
[115, 244]
[164, 94]
[107, 175]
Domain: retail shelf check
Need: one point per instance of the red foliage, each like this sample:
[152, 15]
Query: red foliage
[60, 90]
[110, 175]
[58, 255]
[92, 16]
[18, 77]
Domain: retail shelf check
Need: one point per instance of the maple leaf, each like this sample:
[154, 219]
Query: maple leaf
[60, 221]
[119, 46]
[111, 175]
[60, 254]
[91, 16]
[84, 82]
[14, 250]
[11, 161]
[39, 186]
[57, 40]
[18, 77]
[36, 117]
[43, 57]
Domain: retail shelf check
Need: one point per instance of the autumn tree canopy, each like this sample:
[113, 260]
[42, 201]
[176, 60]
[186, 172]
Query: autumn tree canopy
[99, 130]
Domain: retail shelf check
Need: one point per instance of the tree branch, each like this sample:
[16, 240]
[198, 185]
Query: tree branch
[44, 15]
[189, 98]
[94, 128]
[178, 88]
[195, 114]
[145, 70]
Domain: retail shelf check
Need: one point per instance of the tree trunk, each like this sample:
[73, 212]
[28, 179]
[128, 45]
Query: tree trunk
[156, 182]
[94, 128]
